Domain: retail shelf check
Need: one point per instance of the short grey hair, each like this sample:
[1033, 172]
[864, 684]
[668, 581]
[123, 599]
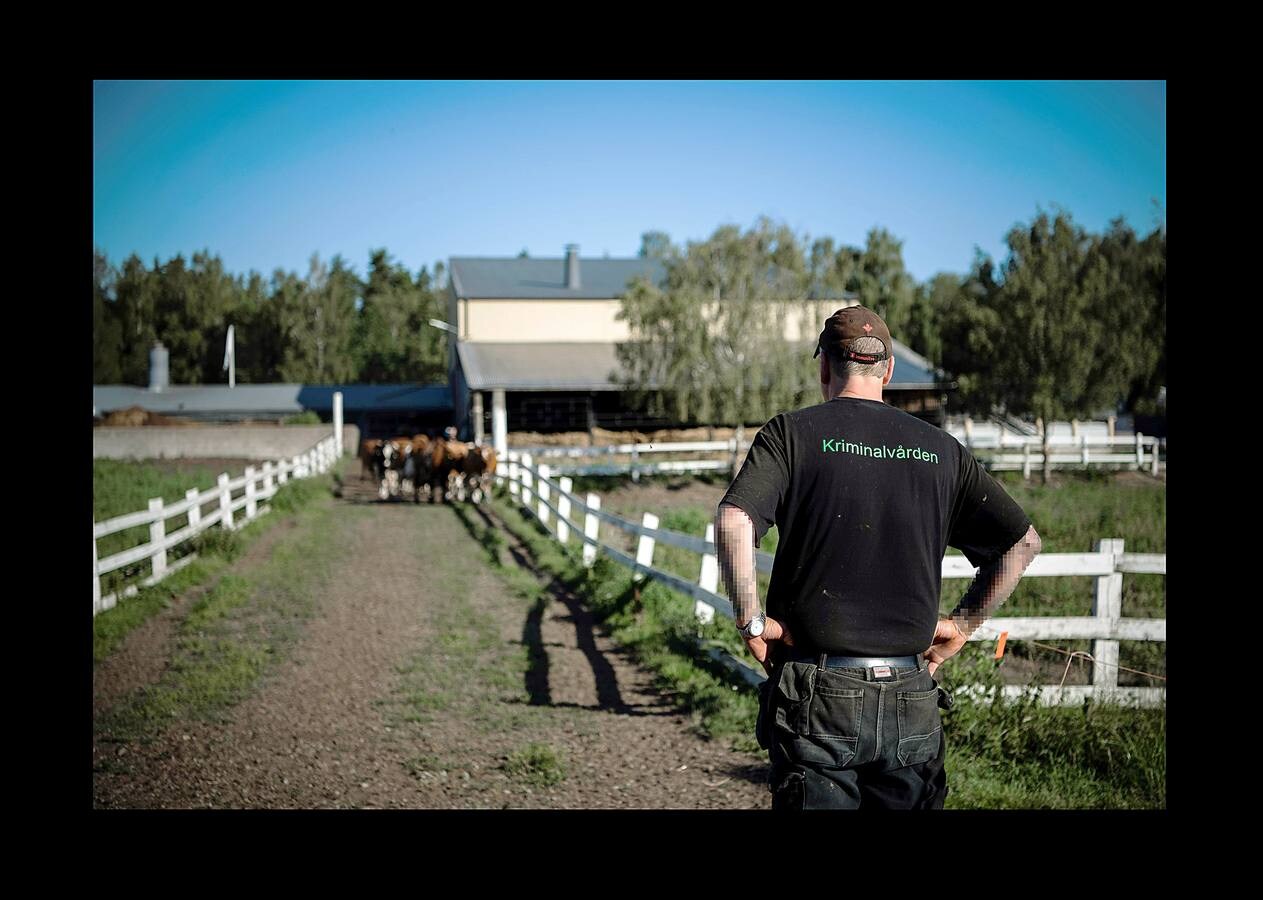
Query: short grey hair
[845, 369]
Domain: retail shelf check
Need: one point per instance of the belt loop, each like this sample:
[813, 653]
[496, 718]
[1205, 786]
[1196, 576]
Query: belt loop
[824, 659]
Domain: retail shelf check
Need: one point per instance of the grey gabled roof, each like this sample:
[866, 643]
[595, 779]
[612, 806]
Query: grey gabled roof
[586, 367]
[538, 367]
[268, 400]
[545, 278]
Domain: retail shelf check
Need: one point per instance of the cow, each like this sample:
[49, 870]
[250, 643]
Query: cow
[382, 466]
[419, 466]
[401, 449]
[455, 453]
[479, 466]
[368, 457]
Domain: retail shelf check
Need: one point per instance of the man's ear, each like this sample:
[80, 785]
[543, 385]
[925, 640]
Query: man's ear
[890, 371]
[824, 368]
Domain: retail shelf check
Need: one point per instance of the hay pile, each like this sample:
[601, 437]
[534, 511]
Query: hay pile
[136, 416]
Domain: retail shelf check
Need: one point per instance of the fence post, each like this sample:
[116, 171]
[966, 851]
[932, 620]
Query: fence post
[591, 530]
[1140, 450]
[969, 434]
[195, 511]
[542, 490]
[644, 552]
[513, 473]
[563, 509]
[337, 423]
[251, 505]
[313, 463]
[708, 580]
[1085, 451]
[1026, 460]
[282, 472]
[635, 458]
[225, 502]
[527, 480]
[96, 576]
[736, 446]
[158, 531]
[267, 477]
[1155, 457]
[1107, 605]
[1110, 423]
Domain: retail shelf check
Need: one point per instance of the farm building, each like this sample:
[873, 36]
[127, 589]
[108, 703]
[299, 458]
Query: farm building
[535, 346]
[379, 410]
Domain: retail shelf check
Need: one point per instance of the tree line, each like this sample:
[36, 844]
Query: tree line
[329, 326]
[1067, 325]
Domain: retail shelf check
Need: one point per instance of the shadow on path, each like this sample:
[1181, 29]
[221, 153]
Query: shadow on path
[609, 697]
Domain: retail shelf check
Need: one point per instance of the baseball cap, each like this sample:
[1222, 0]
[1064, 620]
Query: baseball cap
[845, 325]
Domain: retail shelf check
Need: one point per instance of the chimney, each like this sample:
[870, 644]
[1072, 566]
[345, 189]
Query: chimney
[572, 265]
[158, 367]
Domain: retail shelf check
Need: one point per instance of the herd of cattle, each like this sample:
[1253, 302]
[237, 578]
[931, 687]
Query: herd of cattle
[444, 469]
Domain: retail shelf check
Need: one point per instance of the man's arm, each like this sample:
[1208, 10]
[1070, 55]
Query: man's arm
[992, 586]
[734, 541]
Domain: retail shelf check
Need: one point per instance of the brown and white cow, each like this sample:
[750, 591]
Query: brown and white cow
[479, 466]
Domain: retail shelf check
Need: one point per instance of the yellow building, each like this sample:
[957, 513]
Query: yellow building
[535, 346]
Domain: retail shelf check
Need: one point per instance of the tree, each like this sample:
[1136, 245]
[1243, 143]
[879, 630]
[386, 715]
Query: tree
[655, 245]
[709, 344]
[107, 330]
[882, 282]
[135, 292]
[319, 322]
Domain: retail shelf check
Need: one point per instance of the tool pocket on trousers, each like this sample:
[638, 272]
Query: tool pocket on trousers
[919, 726]
[835, 715]
[790, 698]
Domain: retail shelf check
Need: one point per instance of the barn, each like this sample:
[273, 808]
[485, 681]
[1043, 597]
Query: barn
[536, 338]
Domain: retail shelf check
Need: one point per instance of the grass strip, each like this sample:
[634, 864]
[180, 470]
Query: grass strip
[216, 549]
[1002, 754]
[242, 626]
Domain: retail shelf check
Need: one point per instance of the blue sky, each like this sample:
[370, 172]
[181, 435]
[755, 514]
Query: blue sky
[266, 173]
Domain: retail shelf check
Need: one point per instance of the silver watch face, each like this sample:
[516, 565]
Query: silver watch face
[755, 626]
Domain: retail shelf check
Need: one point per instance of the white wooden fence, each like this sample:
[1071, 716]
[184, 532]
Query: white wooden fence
[997, 452]
[533, 486]
[255, 486]
[730, 453]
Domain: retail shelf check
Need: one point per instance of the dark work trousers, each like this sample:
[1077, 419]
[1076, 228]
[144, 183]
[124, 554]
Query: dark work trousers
[839, 739]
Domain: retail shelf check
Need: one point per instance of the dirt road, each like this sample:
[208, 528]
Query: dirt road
[418, 679]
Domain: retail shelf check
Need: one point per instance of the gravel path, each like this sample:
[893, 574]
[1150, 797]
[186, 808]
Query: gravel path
[413, 686]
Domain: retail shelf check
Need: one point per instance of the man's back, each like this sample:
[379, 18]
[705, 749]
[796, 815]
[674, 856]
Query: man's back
[866, 499]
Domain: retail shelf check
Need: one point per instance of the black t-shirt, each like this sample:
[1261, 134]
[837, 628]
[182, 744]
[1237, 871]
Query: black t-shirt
[866, 499]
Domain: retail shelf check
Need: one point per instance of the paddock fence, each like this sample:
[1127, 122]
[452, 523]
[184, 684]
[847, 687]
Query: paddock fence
[232, 503]
[564, 514]
[997, 452]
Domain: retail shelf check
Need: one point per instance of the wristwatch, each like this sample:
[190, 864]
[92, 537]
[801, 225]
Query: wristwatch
[754, 627]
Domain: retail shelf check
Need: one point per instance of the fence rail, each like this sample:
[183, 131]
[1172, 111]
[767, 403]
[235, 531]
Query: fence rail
[533, 486]
[1144, 453]
[256, 485]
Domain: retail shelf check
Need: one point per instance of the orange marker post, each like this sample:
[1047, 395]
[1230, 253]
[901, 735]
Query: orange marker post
[999, 649]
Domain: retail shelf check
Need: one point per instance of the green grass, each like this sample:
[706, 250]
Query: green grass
[658, 627]
[537, 763]
[120, 487]
[237, 630]
[215, 548]
[466, 665]
[1006, 754]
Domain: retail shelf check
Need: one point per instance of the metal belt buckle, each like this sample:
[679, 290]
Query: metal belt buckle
[882, 672]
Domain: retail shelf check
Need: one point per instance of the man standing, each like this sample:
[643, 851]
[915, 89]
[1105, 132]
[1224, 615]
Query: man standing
[866, 499]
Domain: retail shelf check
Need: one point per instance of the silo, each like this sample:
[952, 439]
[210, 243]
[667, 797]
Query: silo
[158, 367]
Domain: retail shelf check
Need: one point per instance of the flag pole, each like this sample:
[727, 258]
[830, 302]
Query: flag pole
[230, 358]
